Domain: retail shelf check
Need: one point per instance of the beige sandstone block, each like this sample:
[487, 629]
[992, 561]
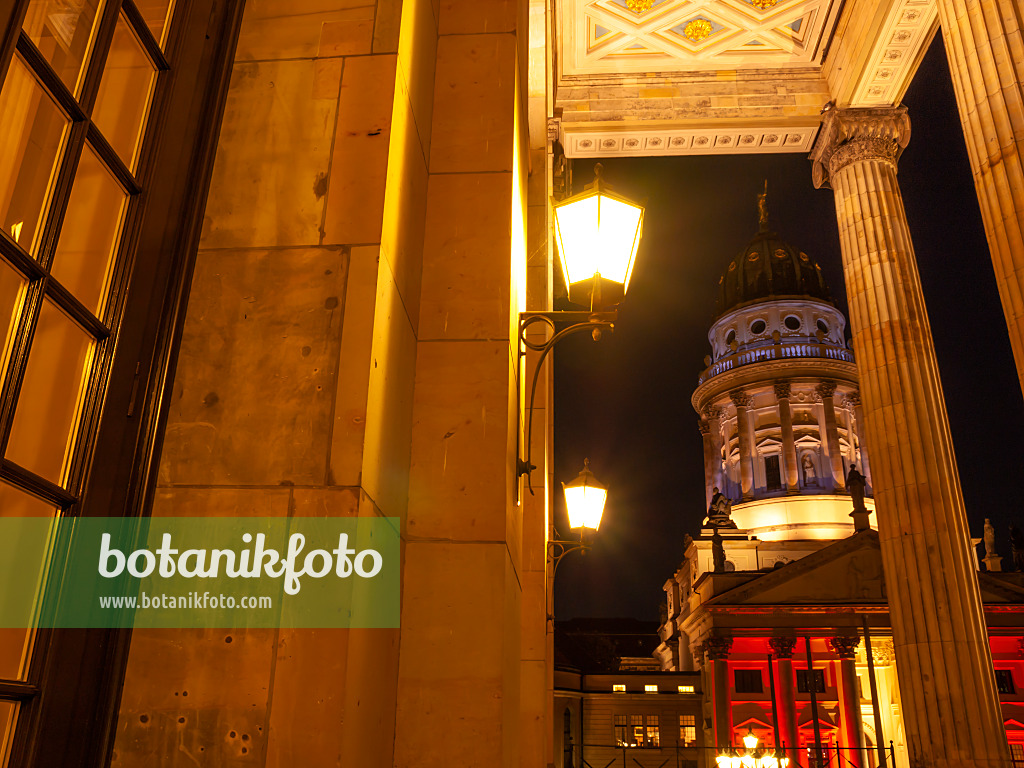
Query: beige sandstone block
[348, 37]
[355, 198]
[273, 155]
[272, 29]
[464, 17]
[467, 257]
[459, 441]
[329, 502]
[221, 502]
[308, 704]
[474, 98]
[255, 380]
[196, 692]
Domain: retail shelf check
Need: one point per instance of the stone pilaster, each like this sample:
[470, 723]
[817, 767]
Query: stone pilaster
[986, 58]
[849, 699]
[742, 401]
[709, 467]
[826, 390]
[717, 649]
[782, 648]
[852, 401]
[938, 626]
[783, 390]
[713, 416]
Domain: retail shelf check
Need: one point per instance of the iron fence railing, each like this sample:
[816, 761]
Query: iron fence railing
[678, 756]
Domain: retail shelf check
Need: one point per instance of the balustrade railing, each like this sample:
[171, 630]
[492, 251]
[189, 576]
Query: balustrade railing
[775, 352]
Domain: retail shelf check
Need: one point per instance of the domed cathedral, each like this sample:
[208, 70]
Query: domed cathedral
[778, 401]
[780, 602]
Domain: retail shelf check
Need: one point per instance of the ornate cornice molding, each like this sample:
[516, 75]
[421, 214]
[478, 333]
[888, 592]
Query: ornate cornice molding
[849, 136]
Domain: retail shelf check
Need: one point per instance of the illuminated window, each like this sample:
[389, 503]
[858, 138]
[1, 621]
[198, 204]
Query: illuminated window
[618, 689]
[687, 730]
[1017, 755]
[748, 681]
[652, 738]
[636, 724]
[621, 733]
[686, 689]
[650, 689]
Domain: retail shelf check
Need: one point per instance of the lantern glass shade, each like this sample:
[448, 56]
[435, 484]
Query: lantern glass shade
[724, 760]
[584, 499]
[750, 740]
[598, 235]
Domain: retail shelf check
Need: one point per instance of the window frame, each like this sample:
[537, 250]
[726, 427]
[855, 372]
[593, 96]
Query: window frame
[110, 470]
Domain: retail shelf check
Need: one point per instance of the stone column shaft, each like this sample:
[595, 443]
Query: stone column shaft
[713, 415]
[849, 700]
[940, 639]
[742, 401]
[782, 395]
[717, 650]
[782, 648]
[827, 390]
[986, 57]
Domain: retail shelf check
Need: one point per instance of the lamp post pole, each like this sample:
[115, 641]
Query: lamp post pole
[812, 686]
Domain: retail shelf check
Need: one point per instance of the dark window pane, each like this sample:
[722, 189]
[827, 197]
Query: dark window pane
[63, 31]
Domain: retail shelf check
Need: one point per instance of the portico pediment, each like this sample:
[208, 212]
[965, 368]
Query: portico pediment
[847, 572]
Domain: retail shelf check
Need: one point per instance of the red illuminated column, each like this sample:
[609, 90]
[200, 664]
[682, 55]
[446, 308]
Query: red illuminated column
[716, 649]
[849, 699]
[782, 649]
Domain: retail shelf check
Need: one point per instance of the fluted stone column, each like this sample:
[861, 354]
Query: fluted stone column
[986, 57]
[827, 390]
[852, 401]
[849, 700]
[950, 708]
[742, 401]
[783, 390]
[716, 649]
[782, 648]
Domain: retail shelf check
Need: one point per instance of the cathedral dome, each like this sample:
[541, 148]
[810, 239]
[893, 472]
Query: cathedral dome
[769, 268]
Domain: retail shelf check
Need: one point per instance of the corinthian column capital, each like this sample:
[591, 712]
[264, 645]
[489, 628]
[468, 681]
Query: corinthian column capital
[740, 398]
[783, 389]
[826, 389]
[854, 135]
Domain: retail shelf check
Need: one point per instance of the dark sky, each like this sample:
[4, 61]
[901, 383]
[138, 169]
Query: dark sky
[625, 402]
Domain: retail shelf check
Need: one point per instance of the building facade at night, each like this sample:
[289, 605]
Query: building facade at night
[798, 584]
[269, 259]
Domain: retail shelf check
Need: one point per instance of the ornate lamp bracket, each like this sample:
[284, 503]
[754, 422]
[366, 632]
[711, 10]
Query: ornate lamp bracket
[595, 322]
[559, 548]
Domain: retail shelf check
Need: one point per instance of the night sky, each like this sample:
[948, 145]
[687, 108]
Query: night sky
[625, 402]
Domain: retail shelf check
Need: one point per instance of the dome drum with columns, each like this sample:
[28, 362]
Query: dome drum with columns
[779, 400]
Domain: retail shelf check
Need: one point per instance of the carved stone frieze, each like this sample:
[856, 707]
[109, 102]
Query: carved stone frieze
[850, 136]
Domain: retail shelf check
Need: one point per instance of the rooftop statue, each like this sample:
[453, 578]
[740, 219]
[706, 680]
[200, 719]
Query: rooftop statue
[856, 482]
[720, 511]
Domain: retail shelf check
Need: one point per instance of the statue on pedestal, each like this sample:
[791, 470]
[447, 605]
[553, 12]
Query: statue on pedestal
[720, 511]
[1017, 545]
[717, 552]
[856, 482]
[993, 562]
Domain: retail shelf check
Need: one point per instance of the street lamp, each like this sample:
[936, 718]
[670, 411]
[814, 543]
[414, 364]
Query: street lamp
[598, 233]
[584, 501]
[752, 757]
